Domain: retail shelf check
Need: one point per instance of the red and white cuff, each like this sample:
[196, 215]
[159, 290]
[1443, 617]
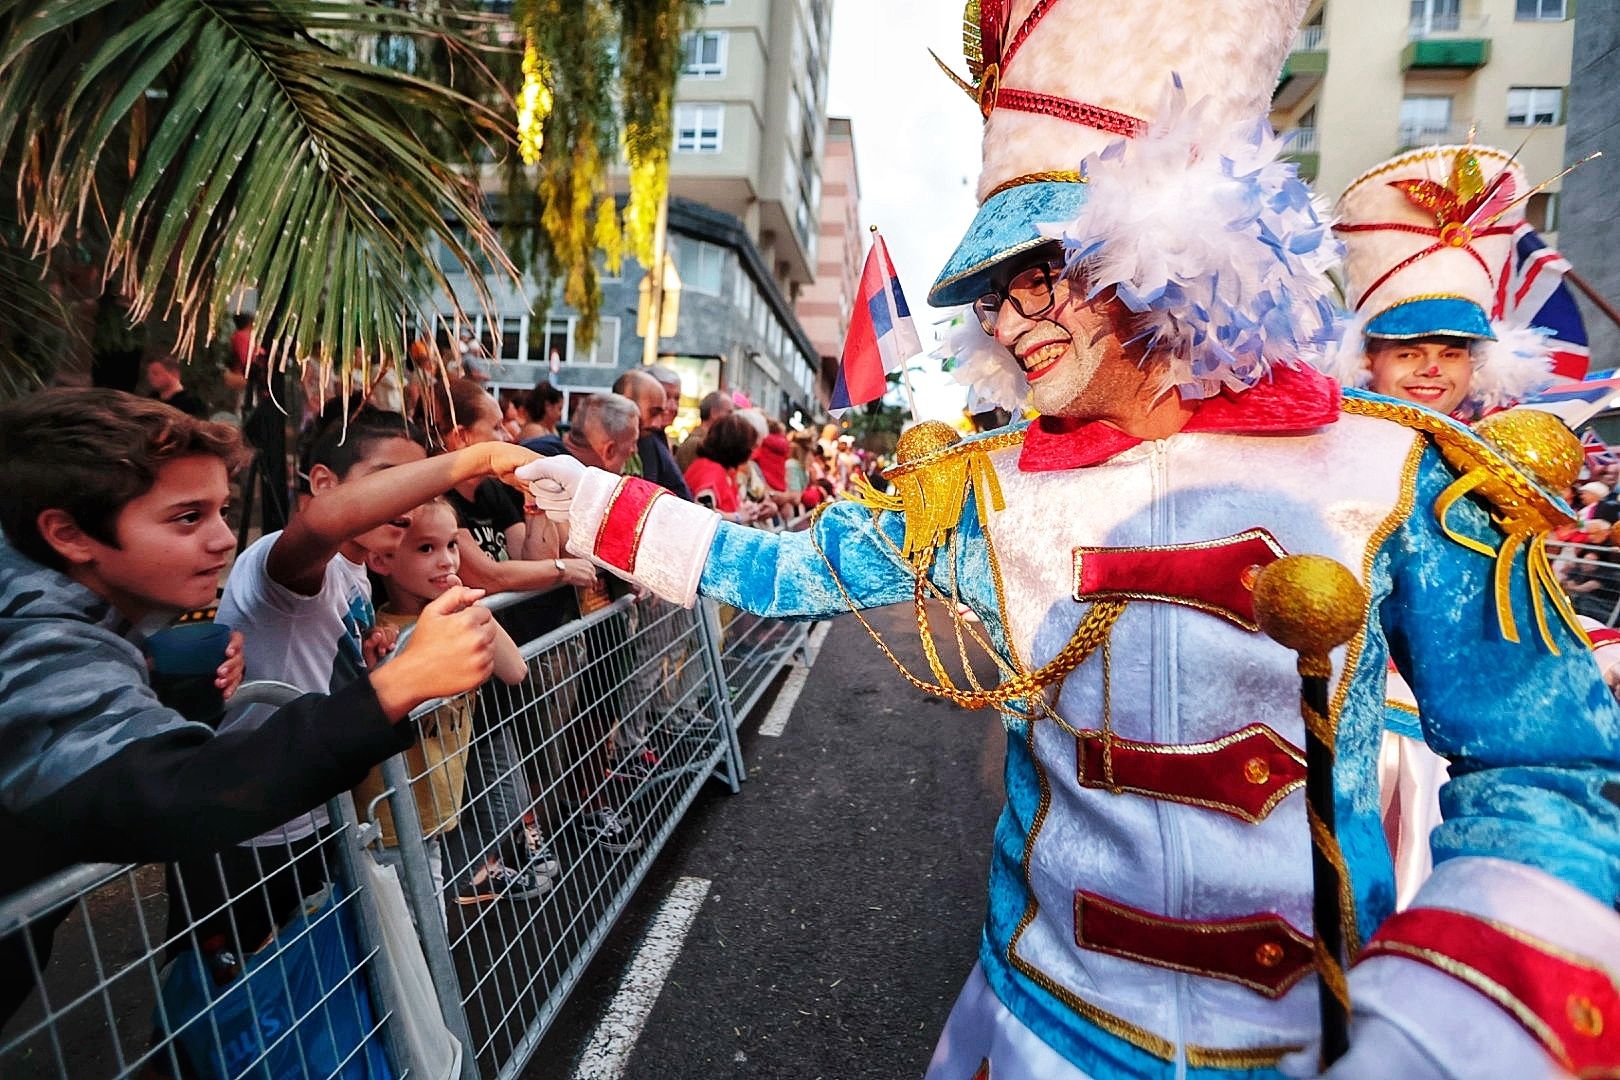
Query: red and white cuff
[1536, 948]
[639, 531]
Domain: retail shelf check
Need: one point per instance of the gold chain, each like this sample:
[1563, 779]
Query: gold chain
[1092, 632]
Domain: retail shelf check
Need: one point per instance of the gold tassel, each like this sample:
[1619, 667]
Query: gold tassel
[1523, 528]
[933, 498]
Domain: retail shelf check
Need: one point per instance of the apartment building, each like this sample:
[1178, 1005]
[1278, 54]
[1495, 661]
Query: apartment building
[745, 192]
[1369, 78]
[824, 306]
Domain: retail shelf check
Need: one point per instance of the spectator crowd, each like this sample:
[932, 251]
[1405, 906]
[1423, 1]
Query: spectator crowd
[128, 618]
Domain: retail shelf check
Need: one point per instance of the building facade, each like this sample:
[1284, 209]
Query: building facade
[1369, 78]
[1590, 232]
[824, 307]
[745, 192]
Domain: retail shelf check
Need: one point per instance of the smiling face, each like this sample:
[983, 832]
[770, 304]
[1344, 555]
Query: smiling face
[1434, 372]
[427, 561]
[1062, 346]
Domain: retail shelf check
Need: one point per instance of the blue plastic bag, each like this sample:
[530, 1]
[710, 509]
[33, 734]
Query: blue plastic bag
[271, 1021]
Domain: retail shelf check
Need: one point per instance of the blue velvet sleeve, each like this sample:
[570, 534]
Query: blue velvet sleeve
[1534, 738]
[784, 576]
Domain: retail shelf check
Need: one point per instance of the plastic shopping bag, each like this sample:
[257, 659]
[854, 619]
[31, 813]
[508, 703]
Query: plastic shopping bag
[299, 1008]
[435, 1054]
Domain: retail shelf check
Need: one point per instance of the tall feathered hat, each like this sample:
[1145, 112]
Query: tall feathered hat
[1137, 134]
[1429, 239]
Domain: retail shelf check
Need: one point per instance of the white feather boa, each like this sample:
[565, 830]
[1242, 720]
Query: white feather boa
[1214, 240]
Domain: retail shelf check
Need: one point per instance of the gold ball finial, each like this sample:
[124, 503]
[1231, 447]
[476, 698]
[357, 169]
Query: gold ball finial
[920, 440]
[1309, 603]
[1537, 443]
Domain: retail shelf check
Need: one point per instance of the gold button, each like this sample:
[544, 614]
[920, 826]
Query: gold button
[1585, 1016]
[1257, 770]
[1268, 955]
[1249, 575]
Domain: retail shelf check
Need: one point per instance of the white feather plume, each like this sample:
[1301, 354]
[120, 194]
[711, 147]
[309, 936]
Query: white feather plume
[1214, 240]
[1511, 368]
[993, 378]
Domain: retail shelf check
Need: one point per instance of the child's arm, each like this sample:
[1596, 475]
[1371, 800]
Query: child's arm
[329, 520]
[509, 665]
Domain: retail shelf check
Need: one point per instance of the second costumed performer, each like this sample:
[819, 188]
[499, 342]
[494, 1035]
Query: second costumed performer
[1145, 273]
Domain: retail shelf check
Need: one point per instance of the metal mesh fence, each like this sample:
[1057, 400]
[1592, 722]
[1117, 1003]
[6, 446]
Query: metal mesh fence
[520, 824]
[1590, 574]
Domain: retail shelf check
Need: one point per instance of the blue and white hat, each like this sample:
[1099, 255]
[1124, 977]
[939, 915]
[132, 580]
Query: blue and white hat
[1137, 135]
[1429, 238]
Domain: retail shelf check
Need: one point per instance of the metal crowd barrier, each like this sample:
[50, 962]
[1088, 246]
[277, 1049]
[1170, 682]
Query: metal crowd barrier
[1590, 574]
[519, 827]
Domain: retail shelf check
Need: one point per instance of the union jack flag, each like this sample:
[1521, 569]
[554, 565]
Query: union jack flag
[1532, 290]
[1598, 453]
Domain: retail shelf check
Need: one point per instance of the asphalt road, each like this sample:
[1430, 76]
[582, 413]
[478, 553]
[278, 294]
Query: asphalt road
[847, 888]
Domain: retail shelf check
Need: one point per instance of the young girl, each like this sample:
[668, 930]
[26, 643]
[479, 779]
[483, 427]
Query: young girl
[425, 565]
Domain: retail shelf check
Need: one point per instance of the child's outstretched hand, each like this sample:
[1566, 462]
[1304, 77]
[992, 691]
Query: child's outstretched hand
[450, 651]
[228, 676]
[378, 643]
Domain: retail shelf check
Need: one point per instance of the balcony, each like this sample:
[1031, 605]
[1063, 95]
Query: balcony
[1446, 43]
[1304, 68]
[1410, 137]
[1300, 146]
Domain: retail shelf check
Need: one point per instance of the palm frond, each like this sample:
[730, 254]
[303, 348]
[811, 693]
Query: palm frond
[35, 325]
[252, 153]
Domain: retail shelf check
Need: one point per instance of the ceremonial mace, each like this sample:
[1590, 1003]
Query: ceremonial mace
[1312, 604]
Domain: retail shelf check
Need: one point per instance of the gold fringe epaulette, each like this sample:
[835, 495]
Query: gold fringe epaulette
[934, 474]
[1510, 461]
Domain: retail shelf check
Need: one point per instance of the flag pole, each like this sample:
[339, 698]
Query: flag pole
[905, 365]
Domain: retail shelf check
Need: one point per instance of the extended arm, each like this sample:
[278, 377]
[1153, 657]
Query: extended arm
[678, 549]
[1510, 951]
[298, 559]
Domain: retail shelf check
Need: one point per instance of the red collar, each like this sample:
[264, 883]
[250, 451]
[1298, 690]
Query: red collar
[1293, 401]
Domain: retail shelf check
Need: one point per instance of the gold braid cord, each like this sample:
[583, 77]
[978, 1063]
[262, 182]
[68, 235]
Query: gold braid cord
[1518, 507]
[1088, 636]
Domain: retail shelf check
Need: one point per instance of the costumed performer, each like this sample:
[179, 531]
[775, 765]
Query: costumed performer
[1429, 239]
[1145, 272]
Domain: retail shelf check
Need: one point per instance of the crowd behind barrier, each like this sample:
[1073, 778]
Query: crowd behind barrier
[386, 970]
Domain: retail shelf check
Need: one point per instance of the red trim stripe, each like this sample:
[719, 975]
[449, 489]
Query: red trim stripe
[619, 538]
[1075, 112]
[1571, 1006]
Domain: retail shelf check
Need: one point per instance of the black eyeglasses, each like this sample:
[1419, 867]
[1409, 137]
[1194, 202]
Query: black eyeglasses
[1032, 292]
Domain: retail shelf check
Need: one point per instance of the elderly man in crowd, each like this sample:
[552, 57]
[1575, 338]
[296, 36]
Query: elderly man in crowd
[652, 445]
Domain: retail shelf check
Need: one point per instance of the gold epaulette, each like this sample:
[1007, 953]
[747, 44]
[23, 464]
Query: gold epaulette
[934, 474]
[1510, 461]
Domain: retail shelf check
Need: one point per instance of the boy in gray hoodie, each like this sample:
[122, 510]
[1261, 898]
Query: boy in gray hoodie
[112, 509]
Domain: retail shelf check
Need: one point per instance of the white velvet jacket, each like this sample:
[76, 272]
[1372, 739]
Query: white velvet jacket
[1150, 893]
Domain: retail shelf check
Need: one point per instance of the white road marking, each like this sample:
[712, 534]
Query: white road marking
[776, 720]
[608, 1053]
[817, 636]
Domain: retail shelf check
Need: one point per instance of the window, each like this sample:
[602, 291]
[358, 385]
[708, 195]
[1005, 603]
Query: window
[1540, 11]
[1424, 116]
[701, 264]
[1430, 16]
[605, 351]
[1532, 106]
[511, 337]
[698, 128]
[703, 54]
[1542, 211]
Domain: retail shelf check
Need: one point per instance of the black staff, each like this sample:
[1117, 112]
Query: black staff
[1312, 605]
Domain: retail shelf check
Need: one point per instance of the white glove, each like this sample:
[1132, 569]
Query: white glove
[552, 482]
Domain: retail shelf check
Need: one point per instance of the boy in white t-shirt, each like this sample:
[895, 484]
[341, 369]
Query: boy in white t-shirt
[302, 600]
